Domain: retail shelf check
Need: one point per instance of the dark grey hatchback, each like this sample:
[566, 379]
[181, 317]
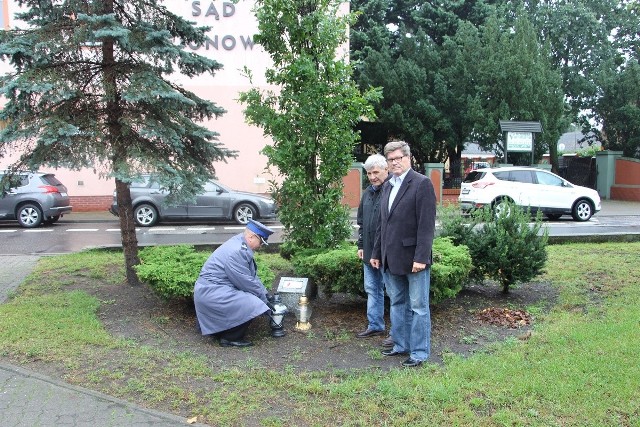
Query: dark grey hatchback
[32, 198]
[216, 202]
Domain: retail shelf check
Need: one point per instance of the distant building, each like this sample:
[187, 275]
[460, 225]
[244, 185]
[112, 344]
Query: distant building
[568, 144]
[231, 43]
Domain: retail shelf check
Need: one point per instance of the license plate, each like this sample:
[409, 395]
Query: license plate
[63, 194]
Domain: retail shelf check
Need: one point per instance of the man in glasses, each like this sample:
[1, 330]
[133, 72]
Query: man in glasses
[402, 250]
[228, 294]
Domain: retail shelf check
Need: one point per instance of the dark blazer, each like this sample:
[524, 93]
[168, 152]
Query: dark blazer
[405, 233]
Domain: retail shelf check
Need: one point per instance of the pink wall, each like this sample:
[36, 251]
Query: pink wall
[352, 187]
[234, 25]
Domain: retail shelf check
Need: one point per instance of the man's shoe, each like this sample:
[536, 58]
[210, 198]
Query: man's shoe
[240, 343]
[411, 363]
[388, 342]
[369, 333]
[392, 352]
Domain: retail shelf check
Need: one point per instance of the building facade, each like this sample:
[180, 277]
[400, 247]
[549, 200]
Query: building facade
[230, 42]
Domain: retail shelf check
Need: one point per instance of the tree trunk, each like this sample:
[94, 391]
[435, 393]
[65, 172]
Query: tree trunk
[117, 142]
[127, 232]
[553, 158]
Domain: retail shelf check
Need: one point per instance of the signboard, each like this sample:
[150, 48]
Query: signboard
[519, 141]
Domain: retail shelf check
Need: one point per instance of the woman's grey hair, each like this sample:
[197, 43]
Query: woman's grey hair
[395, 145]
[375, 160]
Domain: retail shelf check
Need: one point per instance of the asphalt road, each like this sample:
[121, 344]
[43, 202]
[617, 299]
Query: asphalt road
[78, 231]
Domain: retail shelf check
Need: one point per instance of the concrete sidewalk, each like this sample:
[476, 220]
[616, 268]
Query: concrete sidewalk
[31, 399]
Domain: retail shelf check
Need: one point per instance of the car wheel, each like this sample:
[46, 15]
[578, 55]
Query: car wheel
[553, 217]
[582, 210]
[502, 208]
[243, 213]
[145, 215]
[29, 215]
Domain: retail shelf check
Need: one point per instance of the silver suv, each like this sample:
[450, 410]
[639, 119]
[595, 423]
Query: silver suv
[527, 187]
[32, 198]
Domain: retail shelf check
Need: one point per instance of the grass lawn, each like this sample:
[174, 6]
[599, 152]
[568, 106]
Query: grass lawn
[579, 367]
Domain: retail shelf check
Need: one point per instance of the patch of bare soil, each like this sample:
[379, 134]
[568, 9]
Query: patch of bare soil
[478, 316]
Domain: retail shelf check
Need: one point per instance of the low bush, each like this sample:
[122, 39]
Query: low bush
[340, 270]
[333, 271]
[451, 267]
[171, 271]
[508, 248]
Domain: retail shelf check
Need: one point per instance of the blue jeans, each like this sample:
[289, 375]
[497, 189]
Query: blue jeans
[374, 287]
[410, 314]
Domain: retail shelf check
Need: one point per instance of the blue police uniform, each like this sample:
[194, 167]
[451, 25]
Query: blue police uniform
[228, 292]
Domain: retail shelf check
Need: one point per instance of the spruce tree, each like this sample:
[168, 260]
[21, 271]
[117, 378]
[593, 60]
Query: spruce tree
[90, 88]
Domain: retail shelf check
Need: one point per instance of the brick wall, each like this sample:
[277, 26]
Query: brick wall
[627, 180]
[450, 195]
[352, 191]
[90, 203]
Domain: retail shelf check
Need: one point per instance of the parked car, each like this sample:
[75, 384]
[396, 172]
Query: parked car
[32, 198]
[527, 187]
[216, 202]
[476, 165]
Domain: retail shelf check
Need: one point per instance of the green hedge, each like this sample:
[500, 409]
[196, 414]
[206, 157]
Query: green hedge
[451, 267]
[340, 270]
[334, 271]
[171, 271]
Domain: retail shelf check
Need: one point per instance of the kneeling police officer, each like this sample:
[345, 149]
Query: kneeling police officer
[228, 294]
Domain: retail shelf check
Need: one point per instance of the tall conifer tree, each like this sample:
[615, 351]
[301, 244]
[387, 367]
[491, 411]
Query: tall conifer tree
[90, 88]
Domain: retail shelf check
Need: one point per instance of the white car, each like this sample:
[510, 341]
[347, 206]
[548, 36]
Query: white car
[527, 187]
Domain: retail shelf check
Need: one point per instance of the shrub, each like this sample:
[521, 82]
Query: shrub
[171, 271]
[450, 269]
[337, 270]
[505, 248]
[340, 270]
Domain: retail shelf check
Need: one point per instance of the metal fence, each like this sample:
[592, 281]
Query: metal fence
[578, 170]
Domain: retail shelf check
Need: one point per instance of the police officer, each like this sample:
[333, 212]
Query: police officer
[228, 294]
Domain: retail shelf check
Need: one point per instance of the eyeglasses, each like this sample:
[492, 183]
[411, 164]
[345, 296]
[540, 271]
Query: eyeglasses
[395, 159]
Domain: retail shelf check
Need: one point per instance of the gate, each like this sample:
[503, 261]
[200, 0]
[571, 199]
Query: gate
[579, 170]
